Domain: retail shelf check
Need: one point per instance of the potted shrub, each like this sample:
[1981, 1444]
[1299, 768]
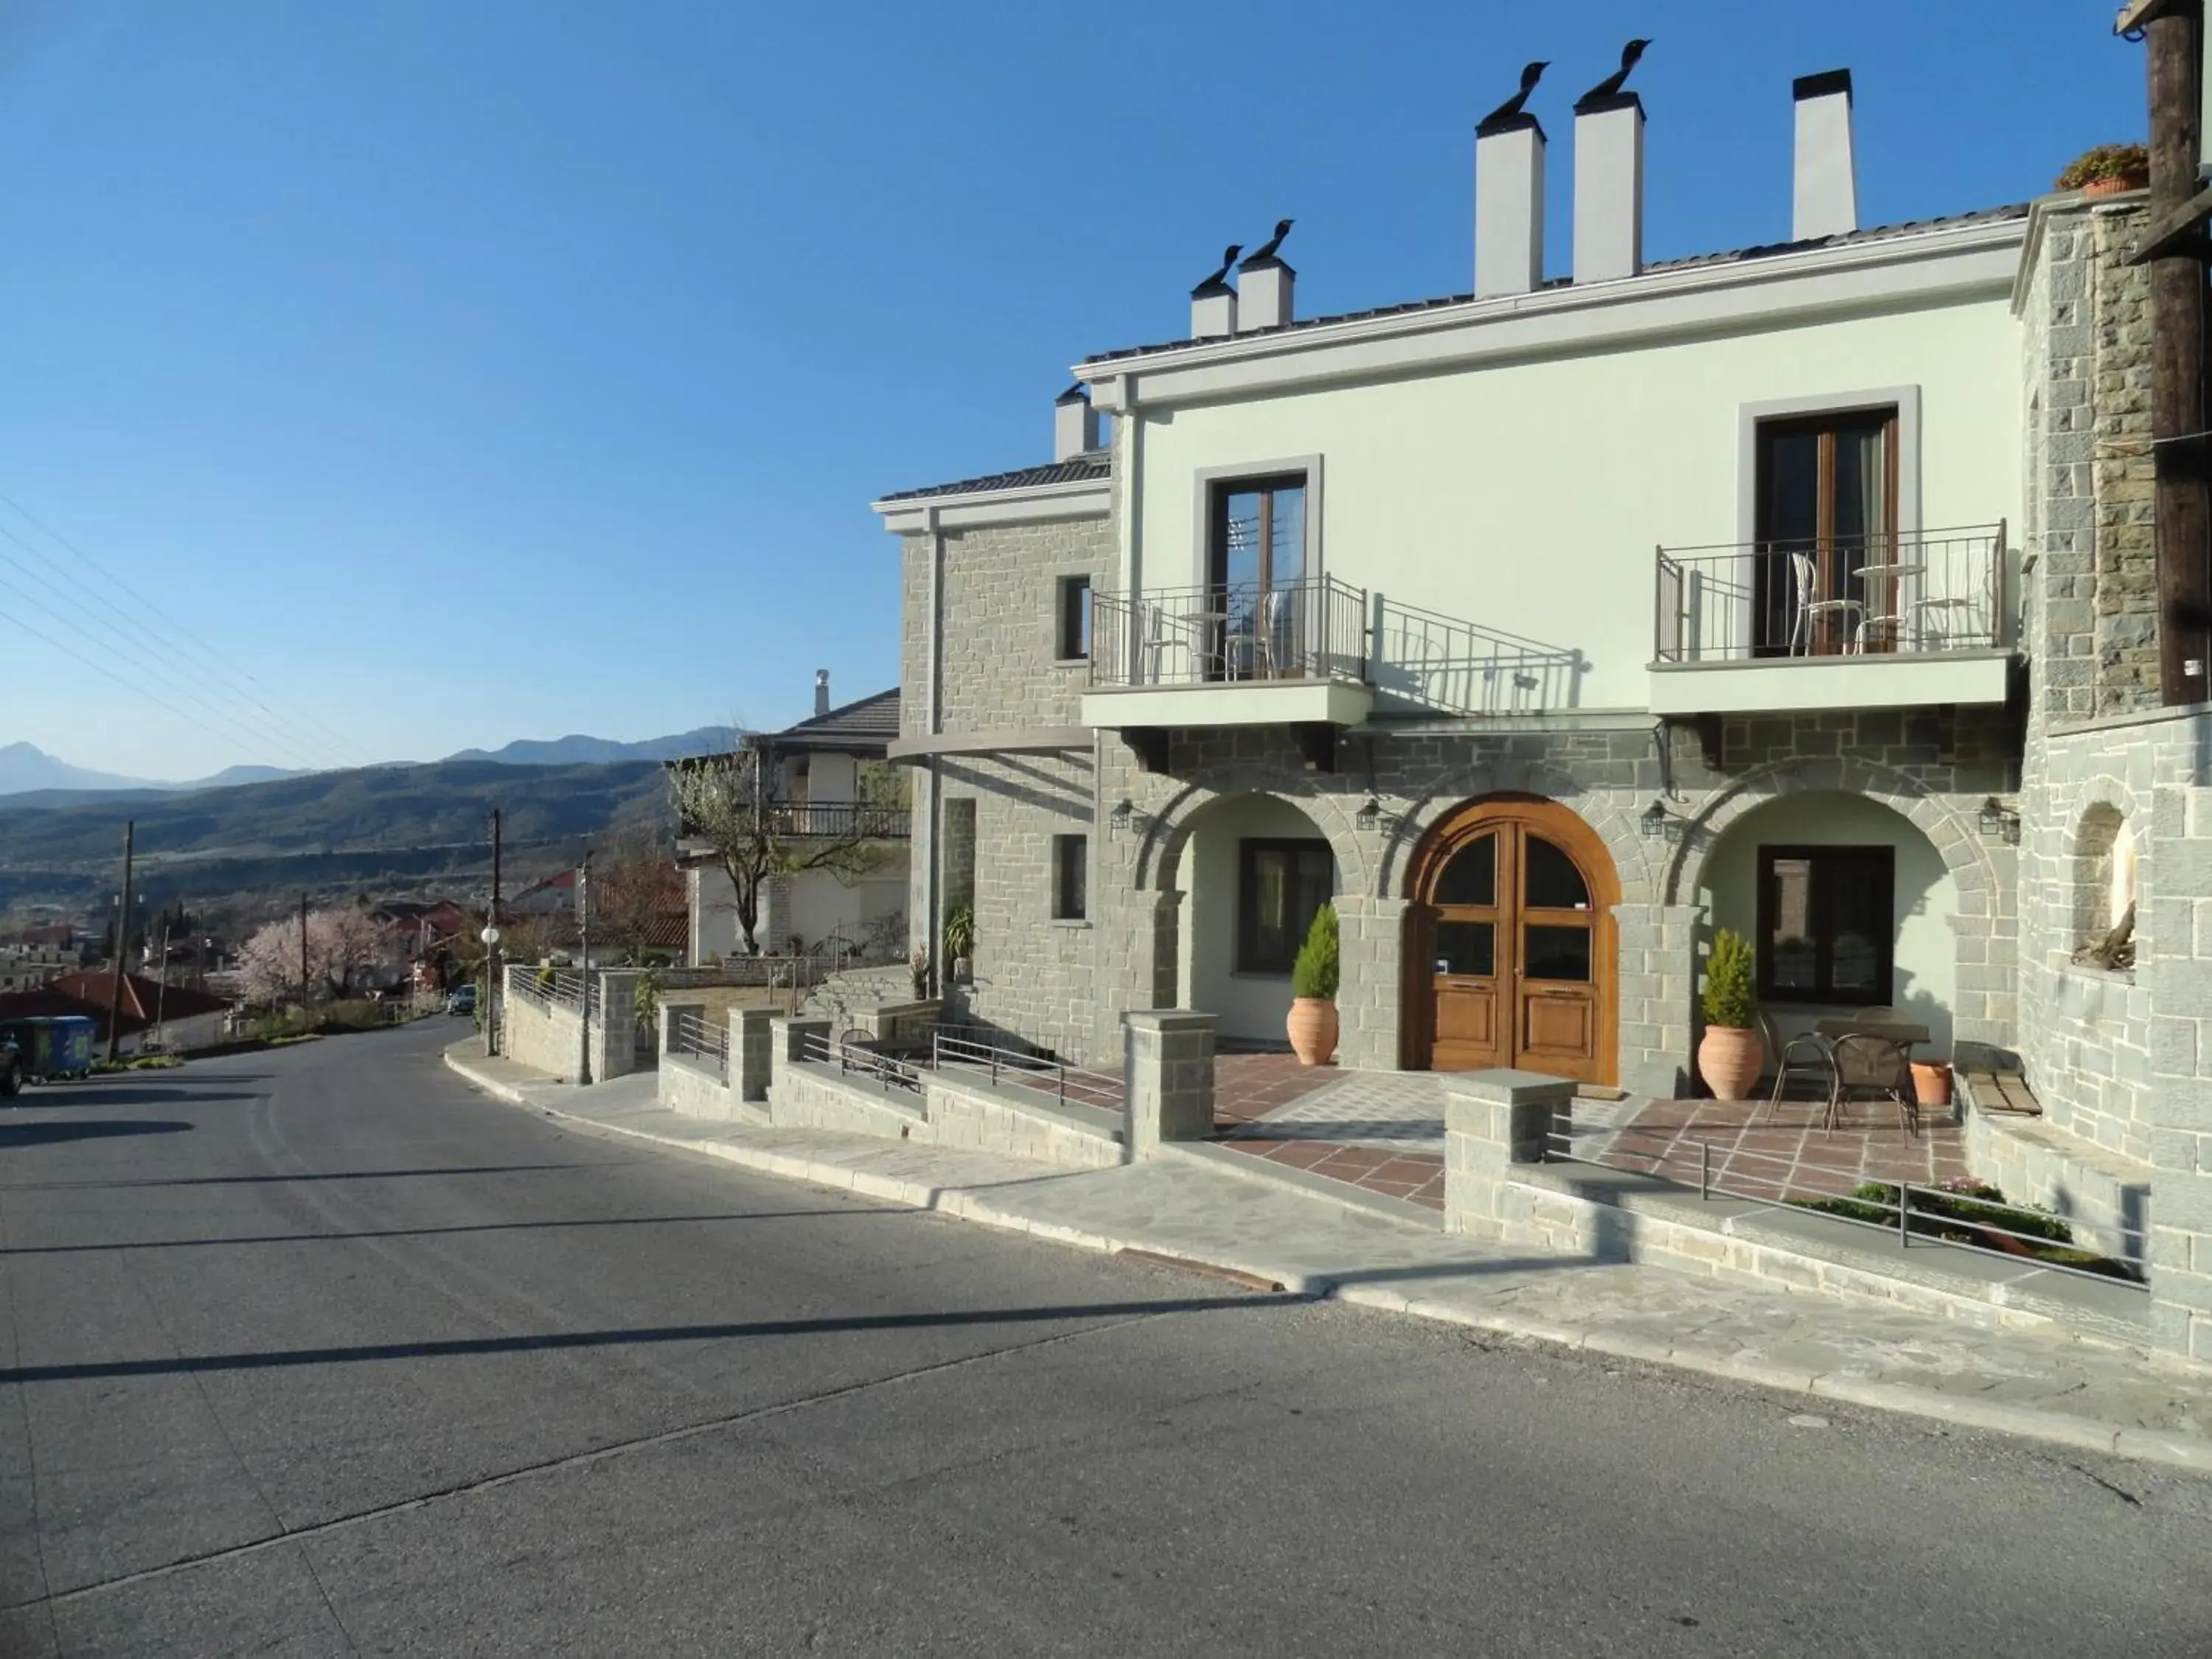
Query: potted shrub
[1728, 1054]
[2107, 170]
[1931, 1082]
[917, 969]
[960, 941]
[1312, 1025]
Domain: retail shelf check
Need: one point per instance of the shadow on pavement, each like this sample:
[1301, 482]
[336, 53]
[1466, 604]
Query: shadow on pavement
[565, 1341]
[262, 1180]
[441, 1232]
[33, 1134]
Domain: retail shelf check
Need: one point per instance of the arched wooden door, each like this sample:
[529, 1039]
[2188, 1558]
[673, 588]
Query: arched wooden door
[1512, 943]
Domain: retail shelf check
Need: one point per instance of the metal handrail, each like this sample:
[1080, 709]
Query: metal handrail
[1902, 1212]
[851, 1057]
[835, 820]
[1735, 601]
[691, 1033]
[1016, 1068]
[1230, 633]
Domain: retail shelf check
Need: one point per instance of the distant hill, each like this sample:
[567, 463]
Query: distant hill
[320, 830]
[24, 768]
[579, 750]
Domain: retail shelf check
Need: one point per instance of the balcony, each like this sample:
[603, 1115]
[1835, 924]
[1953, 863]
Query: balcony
[1881, 621]
[813, 821]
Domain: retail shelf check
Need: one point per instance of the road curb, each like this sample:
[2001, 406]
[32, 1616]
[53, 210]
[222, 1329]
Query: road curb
[2023, 1422]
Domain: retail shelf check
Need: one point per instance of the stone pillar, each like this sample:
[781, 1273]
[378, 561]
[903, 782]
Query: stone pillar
[1167, 1077]
[752, 1046]
[1493, 1120]
[1367, 994]
[1658, 994]
[2178, 877]
[614, 1047]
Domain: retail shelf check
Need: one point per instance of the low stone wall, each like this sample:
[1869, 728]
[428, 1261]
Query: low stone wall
[685, 1085]
[2106, 1197]
[550, 1040]
[805, 1095]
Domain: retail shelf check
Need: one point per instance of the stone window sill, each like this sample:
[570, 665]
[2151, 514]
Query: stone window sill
[1070, 921]
[1070, 662]
[2089, 971]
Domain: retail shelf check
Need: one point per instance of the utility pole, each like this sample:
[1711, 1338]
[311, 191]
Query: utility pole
[303, 950]
[162, 996]
[2176, 250]
[494, 981]
[583, 950]
[122, 937]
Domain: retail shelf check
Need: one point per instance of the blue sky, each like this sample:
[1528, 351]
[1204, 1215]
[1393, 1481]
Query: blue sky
[468, 370]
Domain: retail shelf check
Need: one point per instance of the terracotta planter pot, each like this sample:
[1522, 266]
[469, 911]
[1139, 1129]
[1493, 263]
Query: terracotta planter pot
[1729, 1059]
[2113, 186]
[1931, 1082]
[1312, 1030]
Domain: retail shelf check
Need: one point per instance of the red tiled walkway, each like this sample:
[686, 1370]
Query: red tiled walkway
[1248, 1087]
[1746, 1149]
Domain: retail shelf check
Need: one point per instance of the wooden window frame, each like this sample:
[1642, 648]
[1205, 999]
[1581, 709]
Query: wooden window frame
[1070, 877]
[1072, 619]
[1822, 993]
[1265, 484]
[1823, 425]
[1249, 959]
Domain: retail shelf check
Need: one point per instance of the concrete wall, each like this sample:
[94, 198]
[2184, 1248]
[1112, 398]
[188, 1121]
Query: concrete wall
[530, 1035]
[1925, 943]
[1460, 492]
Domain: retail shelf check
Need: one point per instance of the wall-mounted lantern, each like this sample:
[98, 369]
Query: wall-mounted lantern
[1998, 821]
[1657, 824]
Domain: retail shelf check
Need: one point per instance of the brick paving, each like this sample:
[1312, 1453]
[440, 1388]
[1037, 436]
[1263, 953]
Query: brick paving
[1383, 1132]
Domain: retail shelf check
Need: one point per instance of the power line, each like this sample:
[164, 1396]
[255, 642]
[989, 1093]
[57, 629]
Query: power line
[276, 738]
[233, 730]
[210, 652]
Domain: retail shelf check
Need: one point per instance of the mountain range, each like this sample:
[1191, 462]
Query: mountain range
[25, 768]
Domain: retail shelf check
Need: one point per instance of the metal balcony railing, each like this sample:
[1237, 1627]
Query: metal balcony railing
[1230, 632]
[1895, 595]
[837, 820]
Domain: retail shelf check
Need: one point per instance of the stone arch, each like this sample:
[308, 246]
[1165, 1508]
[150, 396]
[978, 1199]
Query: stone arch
[1961, 847]
[1601, 809]
[1160, 854]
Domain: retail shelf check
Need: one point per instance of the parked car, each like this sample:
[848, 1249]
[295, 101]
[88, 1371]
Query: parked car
[462, 1001]
[11, 1068]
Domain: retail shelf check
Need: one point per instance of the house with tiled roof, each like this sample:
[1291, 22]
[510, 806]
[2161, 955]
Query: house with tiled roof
[828, 783]
[149, 1013]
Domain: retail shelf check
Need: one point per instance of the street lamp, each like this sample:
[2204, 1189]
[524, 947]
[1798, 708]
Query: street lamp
[490, 938]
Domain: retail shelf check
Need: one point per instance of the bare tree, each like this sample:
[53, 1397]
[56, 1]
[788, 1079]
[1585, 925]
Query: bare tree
[635, 884]
[734, 803]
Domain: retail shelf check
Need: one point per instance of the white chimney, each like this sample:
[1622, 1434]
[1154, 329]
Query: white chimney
[1212, 310]
[821, 690]
[1826, 202]
[1609, 187]
[1074, 424]
[1509, 205]
[1264, 283]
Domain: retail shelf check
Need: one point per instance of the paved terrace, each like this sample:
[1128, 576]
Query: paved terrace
[1383, 1133]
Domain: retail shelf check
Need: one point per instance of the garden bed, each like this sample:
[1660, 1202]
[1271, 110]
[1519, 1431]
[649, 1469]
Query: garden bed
[1972, 1213]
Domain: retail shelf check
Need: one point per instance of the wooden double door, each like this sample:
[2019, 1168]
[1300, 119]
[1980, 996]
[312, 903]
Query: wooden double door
[1512, 943]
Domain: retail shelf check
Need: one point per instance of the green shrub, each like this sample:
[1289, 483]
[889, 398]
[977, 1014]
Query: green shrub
[1314, 973]
[1730, 978]
[2129, 162]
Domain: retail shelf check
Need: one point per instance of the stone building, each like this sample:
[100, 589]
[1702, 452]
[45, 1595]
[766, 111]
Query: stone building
[1803, 590]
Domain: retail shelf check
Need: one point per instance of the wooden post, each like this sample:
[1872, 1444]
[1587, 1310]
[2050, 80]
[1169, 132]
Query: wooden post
[2174, 35]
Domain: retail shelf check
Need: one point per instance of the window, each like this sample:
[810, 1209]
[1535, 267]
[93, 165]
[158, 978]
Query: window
[1256, 574]
[1072, 626]
[1070, 877]
[1279, 886]
[1827, 505]
[1826, 924]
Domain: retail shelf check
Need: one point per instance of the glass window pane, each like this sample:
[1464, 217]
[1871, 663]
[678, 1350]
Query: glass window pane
[1793, 953]
[1550, 882]
[1470, 948]
[1286, 549]
[1790, 489]
[1237, 562]
[1558, 953]
[1471, 877]
[1858, 912]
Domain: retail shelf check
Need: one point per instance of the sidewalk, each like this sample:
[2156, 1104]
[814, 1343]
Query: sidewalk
[2044, 1387]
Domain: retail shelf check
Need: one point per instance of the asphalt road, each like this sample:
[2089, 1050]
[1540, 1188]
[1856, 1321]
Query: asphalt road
[317, 1352]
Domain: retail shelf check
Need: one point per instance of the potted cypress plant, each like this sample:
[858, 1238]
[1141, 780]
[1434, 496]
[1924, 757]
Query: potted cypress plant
[1312, 1025]
[1729, 1055]
[2107, 170]
[960, 941]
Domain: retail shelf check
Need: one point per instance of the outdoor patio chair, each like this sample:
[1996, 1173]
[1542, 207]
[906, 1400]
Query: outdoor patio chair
[1821, 1067]
[1807, 606]
[1869, 1064]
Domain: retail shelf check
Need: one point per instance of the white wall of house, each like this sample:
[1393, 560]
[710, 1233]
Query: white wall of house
[1924, 975]
[819, 904]
[1250, 1008]
[829, 778]
[1529, 496]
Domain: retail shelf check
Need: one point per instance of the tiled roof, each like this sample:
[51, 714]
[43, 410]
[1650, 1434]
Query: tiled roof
[1733, 256]
[142, 997]
[870, 723]
[1091, 463]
